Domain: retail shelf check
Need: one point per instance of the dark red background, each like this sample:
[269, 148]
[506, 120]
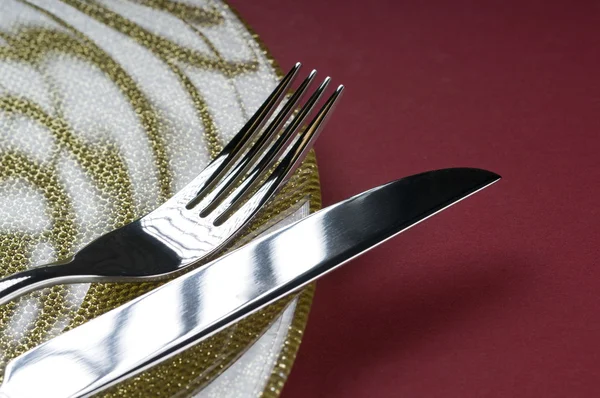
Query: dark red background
[500, 295]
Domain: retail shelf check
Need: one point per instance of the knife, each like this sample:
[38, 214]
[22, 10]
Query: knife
[187, 310]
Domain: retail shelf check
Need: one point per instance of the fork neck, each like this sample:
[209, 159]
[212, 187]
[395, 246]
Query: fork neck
[27, 281]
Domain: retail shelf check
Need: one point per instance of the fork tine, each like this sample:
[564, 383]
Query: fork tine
[232, 151]
[264, 166]
[284, 170]
[267, 138]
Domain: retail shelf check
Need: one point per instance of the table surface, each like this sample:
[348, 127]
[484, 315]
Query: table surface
[500, 295]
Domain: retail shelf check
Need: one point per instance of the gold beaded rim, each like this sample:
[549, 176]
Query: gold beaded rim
[107, 166]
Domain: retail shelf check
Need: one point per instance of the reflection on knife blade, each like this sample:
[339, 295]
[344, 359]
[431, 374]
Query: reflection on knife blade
[183, 312]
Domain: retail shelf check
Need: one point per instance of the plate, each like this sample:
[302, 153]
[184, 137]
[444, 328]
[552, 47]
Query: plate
[106, 109]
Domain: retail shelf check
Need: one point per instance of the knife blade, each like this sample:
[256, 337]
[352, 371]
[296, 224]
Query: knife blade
[187, 310]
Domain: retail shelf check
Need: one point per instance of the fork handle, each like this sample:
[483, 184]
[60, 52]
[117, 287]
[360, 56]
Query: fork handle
[27, 281]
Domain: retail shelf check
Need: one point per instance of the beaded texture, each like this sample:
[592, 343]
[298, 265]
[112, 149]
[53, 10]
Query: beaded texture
[106, 109]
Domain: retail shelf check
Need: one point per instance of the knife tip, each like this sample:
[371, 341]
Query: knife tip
[485, 174]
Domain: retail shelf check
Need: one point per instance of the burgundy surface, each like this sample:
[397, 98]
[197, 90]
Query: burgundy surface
[500, 295]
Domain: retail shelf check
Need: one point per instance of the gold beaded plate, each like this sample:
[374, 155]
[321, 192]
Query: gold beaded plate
[106, 109]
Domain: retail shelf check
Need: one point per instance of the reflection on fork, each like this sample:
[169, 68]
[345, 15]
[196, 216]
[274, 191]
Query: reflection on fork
[210, 211]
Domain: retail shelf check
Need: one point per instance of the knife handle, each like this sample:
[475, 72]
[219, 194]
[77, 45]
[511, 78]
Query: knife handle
[27, 281]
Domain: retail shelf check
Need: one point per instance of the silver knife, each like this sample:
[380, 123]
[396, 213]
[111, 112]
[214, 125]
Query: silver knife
[187, 310]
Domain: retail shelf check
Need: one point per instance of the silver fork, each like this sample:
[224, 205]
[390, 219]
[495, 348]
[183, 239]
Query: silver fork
[209, 212]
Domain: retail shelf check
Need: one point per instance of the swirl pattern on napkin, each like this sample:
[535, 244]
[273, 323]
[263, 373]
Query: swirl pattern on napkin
[106, 109]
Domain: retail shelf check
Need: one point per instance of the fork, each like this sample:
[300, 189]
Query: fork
[207, 213]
